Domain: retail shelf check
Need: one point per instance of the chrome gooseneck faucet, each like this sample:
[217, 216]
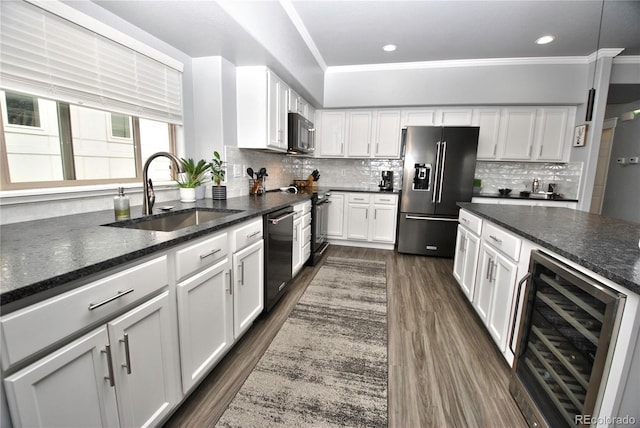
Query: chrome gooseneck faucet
[148, 196]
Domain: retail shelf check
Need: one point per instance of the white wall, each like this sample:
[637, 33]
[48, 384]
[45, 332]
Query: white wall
[456, 83]
[622, 198]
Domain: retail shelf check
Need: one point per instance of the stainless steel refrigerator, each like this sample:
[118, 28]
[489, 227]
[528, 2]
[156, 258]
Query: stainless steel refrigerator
[439, 167]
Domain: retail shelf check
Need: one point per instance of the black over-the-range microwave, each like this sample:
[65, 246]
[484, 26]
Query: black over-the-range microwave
[301, 135]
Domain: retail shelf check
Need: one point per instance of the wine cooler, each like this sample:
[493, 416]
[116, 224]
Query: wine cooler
[568, 326]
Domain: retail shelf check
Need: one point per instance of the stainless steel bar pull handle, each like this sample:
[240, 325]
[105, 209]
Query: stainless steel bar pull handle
[414, 217]
[107, 350]
[435, 174]
[253, 234]
[93, 306]
[279, 219]
[127, 354]
[241, 279]
[496, 240]
[442, 164]
[228, 275]
[211, 253]
[515, 313]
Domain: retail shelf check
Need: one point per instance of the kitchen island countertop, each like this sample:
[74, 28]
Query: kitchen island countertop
[604, 245]
[41, 257]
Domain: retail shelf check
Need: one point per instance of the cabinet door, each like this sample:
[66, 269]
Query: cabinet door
[454, 117]
[332, 133]
[145, 362]
[482, 296]
[335, 223]
[418, 117]
[297, 246]
[517, 129]
[502, 278]
[489, 122]
[359, 127]
[358, 221]
[387, 134]
[205, 321]
[69, 388]
[248, 286]
[466, 261]
[277, 111]
[551, 134]
[384, 223]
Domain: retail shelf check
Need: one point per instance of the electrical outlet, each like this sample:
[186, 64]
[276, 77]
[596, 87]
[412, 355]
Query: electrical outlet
[622, 161]
[633, 160]
[237, 171]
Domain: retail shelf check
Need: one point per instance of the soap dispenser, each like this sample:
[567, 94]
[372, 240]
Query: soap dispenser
[121, 205]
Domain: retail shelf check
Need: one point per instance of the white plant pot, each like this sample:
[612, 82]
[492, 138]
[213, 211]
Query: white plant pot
[187, 194]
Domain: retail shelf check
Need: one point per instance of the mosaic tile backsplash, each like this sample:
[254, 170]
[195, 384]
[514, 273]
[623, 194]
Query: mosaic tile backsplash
[366, 173]
[519, 176]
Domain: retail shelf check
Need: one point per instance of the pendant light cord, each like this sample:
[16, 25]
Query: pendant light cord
[595, 67]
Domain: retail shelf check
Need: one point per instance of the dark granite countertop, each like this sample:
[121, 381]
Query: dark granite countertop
[604, 245]
[516, 195]
[40, 256]
[361, 190]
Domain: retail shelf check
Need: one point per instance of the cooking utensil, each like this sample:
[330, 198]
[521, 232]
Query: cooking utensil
[250, 172]
[263, 172]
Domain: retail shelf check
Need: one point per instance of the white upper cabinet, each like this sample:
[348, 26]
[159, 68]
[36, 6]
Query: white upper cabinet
[262, 106]
[525, 133]
[299, 105]
[553, 135]
[359, 130]
[488, 119]
[454, 117]
[418, 117]
[359, 133]
[331, 133]
[517, 129]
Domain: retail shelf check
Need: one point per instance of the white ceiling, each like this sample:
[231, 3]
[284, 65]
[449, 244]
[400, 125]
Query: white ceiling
[348, 32]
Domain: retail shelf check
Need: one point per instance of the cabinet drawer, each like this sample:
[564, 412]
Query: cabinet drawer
[359, 198]
[306, 220]
[302, 208]
[31, 329]
[470, 221]
[502, 240]
[203, 253]
[246, 234]
[385, 199]
[306, 235]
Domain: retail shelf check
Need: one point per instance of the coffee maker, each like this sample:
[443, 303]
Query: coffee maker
[387, 181]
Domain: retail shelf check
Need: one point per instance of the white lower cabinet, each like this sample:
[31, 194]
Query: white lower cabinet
[248, 286]
[205, 319]
[301, 236]
[130, 361]
[495, 293]
[465, 262]
[41, 394]
[367, 219]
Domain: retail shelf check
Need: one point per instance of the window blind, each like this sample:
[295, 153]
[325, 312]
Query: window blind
[45, 55]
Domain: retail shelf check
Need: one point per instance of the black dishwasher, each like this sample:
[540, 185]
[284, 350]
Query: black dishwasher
[278, 265]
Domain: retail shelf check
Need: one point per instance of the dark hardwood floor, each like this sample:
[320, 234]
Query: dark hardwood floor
[444, 370]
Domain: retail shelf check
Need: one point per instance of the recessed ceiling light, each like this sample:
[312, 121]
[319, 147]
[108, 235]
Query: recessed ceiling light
[545, 39]
[389, 48]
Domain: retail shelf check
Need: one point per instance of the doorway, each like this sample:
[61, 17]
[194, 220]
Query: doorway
[602, 168]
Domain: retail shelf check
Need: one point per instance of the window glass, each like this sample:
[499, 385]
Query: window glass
[120, 125]
[72, 143]
[22, 110]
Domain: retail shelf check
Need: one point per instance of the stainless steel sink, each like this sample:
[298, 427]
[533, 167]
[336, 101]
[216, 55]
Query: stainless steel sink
[170, 222]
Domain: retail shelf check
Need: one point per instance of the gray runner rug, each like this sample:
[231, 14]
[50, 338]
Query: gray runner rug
[327, 366]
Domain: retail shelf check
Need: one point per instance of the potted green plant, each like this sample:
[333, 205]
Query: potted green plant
[194, 175]
[218, 171]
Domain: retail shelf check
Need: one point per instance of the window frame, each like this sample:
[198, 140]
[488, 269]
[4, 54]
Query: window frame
[65, 136]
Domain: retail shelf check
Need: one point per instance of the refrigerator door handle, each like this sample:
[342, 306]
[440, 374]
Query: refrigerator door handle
[415, 217]
[435, 174]
[442, 164]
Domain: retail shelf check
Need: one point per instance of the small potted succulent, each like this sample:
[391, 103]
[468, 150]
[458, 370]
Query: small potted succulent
[194, 176]
[218, 171]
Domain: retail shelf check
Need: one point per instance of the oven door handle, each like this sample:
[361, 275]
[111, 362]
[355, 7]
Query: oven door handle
[515, 313]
